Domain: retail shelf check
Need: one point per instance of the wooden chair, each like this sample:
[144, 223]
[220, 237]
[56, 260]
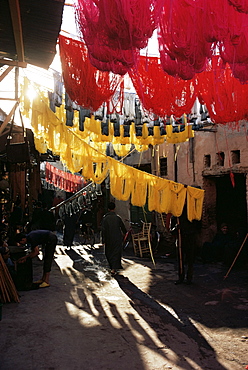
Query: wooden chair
[136, 246]
[162, 217]
[142, 241]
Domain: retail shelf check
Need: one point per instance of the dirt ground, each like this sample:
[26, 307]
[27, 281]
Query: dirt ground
[137, 320]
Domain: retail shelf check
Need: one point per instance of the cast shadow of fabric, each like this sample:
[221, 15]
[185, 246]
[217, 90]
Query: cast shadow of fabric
[94, 267]
[159, 319]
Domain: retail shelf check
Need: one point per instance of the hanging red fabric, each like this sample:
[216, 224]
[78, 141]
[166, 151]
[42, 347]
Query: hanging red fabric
[85, 85]
[63, 180]
[240, 5]
[190, 32]
[160, 93]
[225, 97]
[182, 44]
[114, 30]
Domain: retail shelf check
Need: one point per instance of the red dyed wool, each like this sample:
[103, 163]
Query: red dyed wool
[114, 30]
[160, 93]
[84, 84]
[182, 45]
[225, 97]
[240, 5]
[191, 31]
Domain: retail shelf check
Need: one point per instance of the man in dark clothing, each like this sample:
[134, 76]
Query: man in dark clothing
[186, 246]
[35, 223]
[70, 226]
[47, 221]
[217, 250]
[15, 219]
[113, 230]
[35, 238]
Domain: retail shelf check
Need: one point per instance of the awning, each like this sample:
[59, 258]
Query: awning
[29, 31]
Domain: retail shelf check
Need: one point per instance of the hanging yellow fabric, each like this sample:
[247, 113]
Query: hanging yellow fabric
[157, 137]
[139, 193]
[141, 148]
[100, 147]
[158, 191]
[145, 132]
[25, 102]
[40, 144]
[125, 182]
[194, 203]
[177, 198]
[122, 149]
[121, 180]
[92, 127]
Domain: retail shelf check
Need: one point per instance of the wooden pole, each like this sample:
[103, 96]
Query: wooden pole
[180, 256]
[8, 290]
[236, 256]
[8, 117]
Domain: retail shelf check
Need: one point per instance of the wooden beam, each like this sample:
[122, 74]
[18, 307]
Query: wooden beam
[7, 119]
[16, 82]
[6, 72]
[13, 63]
[17, 28]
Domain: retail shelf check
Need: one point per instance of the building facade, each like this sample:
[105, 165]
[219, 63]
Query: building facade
[216, 159]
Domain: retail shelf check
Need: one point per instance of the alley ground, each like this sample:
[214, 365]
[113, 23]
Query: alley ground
[88, 320]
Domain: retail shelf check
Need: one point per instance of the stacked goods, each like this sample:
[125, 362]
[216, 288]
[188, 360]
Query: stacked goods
[8, 292]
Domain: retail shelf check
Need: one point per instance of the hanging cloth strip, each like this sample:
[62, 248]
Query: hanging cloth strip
[183, 51]
[85, 85]
[159, 92]
[126, 182]
[53, 125]
[195, 199]
[158, 195]
[114, 30]
[177, 198]
[121, 180]
[226, 97]
[139, 194]
[63, 180]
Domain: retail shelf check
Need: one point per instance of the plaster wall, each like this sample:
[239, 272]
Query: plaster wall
[197, 163]
[193, 168]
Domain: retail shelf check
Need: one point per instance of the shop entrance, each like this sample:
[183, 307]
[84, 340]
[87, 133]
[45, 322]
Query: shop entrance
[231, 201]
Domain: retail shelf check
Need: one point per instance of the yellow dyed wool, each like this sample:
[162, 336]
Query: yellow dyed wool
[194, 203]
[40, 144]
[177, 198]
[121, 180]
[158, 194]
[139, 192]
[122, 150]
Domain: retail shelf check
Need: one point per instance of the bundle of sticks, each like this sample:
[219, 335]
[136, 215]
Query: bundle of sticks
[8, 292]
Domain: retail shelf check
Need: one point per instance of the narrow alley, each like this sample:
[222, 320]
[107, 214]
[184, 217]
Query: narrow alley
[137, 320]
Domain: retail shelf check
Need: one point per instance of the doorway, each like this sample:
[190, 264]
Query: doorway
[231, 206]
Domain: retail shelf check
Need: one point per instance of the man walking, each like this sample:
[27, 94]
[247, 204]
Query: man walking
[113, 230]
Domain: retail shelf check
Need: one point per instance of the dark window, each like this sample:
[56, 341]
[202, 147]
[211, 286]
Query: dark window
[144, 167]
[235, 156]
[220, 158]
[207, 160]
[163, 167]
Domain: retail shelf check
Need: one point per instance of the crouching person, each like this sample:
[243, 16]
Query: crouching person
[48, 240]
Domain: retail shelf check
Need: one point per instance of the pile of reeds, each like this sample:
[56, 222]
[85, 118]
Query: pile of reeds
[8, 292]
